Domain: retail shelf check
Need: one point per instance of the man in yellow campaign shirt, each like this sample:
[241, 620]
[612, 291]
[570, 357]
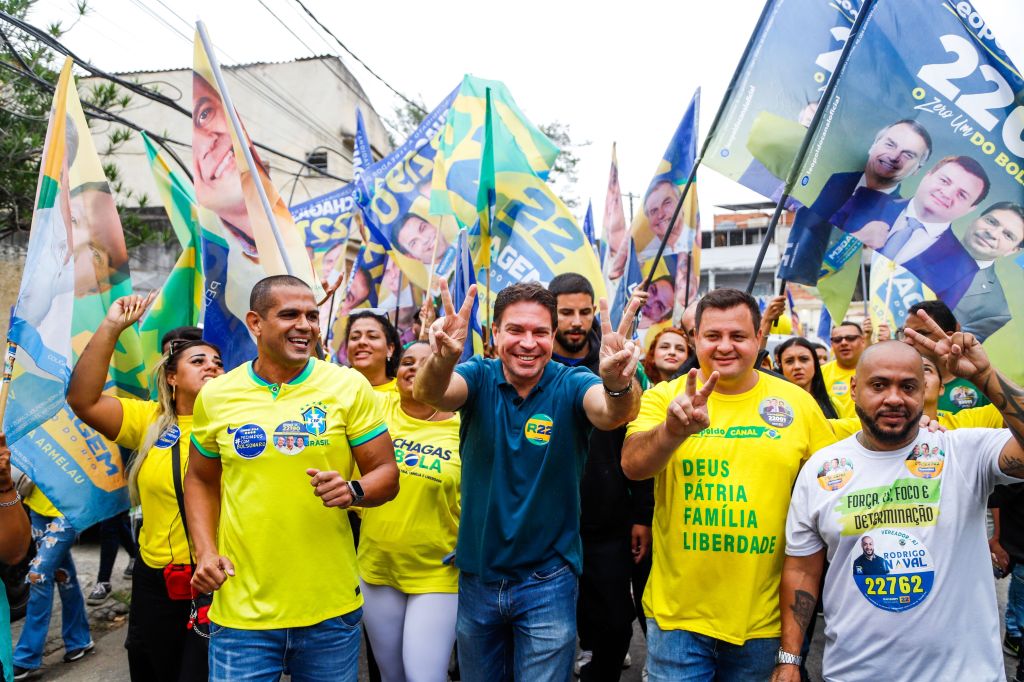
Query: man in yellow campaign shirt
[724, 458]
[274, 442]
[847, 345]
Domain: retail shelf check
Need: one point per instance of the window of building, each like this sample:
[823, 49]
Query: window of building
[318, 158]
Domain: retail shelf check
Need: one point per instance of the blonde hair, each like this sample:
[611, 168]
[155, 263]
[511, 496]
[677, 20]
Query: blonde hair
[166, 417]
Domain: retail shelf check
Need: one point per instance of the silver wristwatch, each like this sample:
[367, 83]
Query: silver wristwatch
[786, 657]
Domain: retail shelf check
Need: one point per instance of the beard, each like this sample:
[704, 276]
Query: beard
[570, 346]
[890, 437]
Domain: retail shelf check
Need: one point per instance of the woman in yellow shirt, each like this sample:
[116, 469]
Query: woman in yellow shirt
[373, 347]
[160, 645]
[406, 554]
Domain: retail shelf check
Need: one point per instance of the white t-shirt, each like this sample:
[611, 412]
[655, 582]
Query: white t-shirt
[909, 594]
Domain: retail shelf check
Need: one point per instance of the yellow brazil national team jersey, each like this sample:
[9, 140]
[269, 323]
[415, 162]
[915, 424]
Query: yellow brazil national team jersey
[402, 543]
[162, 539]
[720, 508]
[40, 503]
[294, 559]
[837, 383]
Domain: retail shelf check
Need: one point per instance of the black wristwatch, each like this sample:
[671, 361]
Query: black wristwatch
[356, 488]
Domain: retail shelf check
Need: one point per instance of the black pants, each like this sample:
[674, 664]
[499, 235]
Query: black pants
[160, 646]
[117, 530]
[605, 610]
[641, 572]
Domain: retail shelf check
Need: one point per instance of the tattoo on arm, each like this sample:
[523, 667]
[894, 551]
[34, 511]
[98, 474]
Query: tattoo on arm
[803, 608]
[1009, 400]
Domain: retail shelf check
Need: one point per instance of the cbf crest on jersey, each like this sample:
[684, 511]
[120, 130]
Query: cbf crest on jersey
[314, 417]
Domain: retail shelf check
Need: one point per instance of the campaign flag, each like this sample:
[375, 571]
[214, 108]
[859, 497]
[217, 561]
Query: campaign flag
[893, 290]
[362, 157]
[824, 330]
[680, 261]
[631, 279]
[76, 266]
[615, 235]
[790, 56]
[464, 278]
[239, 243]
[588, 230]
[797, 328]
[180, 301]
[920, 157]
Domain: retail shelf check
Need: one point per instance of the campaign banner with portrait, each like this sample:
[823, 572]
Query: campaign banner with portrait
[240, 244]
[919, 156]
[614, 225]
[792, 53]
[893, 290]
[77, 265]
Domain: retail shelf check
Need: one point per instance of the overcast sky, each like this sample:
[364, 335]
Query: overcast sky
[621, 72]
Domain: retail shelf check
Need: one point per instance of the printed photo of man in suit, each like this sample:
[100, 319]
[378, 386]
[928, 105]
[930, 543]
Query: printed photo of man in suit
[997, 233]
[915, 232]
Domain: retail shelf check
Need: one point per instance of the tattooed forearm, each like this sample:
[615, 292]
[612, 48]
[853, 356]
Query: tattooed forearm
[1009, 400]
[803, 608]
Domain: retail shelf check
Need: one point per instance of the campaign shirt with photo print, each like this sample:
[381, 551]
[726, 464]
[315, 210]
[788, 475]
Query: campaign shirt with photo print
[909, 561]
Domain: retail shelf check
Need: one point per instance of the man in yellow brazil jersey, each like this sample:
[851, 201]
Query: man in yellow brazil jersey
[271, 534]
[847, 345]
[723, 465]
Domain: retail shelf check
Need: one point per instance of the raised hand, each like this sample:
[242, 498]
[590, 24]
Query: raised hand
[688, 411]
[958, 353]
[619, 356]
[772, 312]
[448, 334]
[127, 310]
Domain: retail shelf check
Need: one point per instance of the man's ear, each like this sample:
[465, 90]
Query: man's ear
[853, 388]
[254, 322]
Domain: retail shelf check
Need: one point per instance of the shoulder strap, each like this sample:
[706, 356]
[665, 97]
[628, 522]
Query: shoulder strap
[179, 492]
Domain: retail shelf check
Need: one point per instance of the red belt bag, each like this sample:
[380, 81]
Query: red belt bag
[178, 578]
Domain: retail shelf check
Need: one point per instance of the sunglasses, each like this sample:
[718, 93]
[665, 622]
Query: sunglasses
[849, 338]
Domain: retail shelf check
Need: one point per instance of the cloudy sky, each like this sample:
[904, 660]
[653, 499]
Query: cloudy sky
[614, 72]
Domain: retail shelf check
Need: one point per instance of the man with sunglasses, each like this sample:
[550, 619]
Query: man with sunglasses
[847, 345]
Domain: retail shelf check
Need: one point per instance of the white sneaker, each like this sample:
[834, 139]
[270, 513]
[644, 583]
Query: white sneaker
[581, 660]
[627, 661]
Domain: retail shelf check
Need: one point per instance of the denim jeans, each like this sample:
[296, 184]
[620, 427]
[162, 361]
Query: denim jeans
[682, 656]
[522, 630]
[1015, 602]
[54, 538]
[325, 652]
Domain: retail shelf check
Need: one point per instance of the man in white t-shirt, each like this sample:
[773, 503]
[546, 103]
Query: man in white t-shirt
[924, 519]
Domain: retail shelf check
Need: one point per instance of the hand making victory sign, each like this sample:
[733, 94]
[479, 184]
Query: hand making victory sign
[619, 357]
[959, 353]
[688, 412]
[448, 334]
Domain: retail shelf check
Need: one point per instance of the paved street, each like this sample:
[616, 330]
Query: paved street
[109, 663]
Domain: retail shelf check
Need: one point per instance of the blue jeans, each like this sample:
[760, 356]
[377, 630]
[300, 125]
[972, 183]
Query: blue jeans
[325, 652]
[522, 630]
[54, 538]
[682, 656]
[1015, 602]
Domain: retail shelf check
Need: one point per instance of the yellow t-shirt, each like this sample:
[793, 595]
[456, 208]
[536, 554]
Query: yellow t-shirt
[40, 503]
[720, 508]
[162, 539]
[986, 417]
[402, 543]
[844, 427]
[837, 383]
[294, 558]
[391, 386]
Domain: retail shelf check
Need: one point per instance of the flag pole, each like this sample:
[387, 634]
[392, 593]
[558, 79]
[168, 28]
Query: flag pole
[12, 350]
[236, 124]
[433, 258]
[805, 144]
[864, 283]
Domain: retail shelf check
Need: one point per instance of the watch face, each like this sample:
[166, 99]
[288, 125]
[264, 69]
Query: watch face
[357, 488]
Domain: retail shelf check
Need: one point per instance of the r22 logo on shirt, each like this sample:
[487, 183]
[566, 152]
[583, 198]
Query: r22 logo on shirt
[538, 429]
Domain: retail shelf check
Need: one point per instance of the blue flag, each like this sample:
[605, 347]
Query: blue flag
[825, 326]
[588, 231]
[464, 278]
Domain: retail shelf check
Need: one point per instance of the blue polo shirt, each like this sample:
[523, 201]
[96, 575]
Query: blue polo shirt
[522, 460]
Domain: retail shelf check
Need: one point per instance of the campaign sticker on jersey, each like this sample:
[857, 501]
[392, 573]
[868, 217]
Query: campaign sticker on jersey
[776, 412]
[538, 429]
[964, 397]
[250, 440]
[290, 437]
[168, 438]
[314, 418]
[926, 461]
[893, 569]
[839, 388]
[834, 473]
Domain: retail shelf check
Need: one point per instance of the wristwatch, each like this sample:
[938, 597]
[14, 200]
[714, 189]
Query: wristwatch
[786, 657]
[356, 489]
[621, 392]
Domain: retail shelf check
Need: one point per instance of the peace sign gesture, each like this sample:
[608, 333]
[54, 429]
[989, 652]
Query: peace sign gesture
[958, 353]
[619, 356]
[448, 334]
[688, 411]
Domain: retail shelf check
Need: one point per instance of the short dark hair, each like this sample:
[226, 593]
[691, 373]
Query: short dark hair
[391, 337]
[261, 296]
[938, 311]
[525, 292]
[917, 128]
[972, 167]
[1012, 208]
[849, 323]
[723, 299]
[181, 334]
[571, 283]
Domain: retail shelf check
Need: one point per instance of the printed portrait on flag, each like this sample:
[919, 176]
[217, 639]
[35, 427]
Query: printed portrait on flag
[920, 156]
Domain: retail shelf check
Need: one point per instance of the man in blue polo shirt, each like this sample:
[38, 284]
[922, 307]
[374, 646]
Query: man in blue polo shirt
[525, 426]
